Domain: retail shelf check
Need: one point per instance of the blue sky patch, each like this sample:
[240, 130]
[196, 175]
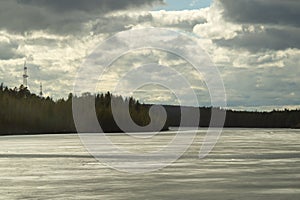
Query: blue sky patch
[184, 4]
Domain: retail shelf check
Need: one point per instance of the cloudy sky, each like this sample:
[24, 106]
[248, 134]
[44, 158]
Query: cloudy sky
[255, 45]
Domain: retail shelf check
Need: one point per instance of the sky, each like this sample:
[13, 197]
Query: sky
[255, 46]
[176, 5]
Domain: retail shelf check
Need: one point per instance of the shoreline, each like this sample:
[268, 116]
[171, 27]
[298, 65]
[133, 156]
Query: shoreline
[118, 132]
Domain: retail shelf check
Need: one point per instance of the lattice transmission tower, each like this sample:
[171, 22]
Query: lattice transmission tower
[25, 75]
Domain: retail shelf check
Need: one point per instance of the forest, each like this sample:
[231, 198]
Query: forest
[242, 119]
[22, 112]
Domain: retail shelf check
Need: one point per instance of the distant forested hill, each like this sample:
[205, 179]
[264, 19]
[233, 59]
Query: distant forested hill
[242, 119]
[22, 112]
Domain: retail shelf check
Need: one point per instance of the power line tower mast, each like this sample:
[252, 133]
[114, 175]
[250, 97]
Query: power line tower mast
[25, 75]
[41, 90]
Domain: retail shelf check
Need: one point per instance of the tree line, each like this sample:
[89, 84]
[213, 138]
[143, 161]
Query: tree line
[242, 119]
[23, 112]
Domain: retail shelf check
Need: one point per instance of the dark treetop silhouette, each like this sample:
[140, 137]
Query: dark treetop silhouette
[22, 112]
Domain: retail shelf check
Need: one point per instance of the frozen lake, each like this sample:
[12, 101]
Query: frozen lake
[245, 164]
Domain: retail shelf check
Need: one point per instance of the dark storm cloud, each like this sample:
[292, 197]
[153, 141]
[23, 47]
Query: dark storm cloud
[285, 12]
[269, 39]
[279, 19]
[88, 5]
[59, 15]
